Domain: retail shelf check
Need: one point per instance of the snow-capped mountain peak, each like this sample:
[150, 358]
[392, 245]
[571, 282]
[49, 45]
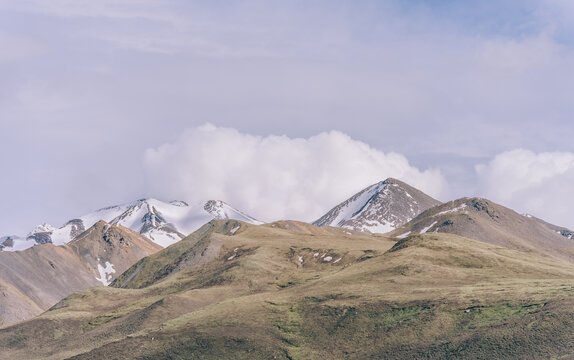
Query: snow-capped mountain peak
[221, 210]
[162, 222]
[379, 208]
[45, 227]
[41, 233]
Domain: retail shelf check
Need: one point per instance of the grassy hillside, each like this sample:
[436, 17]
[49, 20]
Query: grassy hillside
[289, 290]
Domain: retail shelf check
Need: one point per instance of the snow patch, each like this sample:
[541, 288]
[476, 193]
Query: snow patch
[424, 230]
[106, 273]
[402, 236]
[20, 244]
[44, 228]
[352, 207]
[460, 208]
[374, 227]
[328, 258]
[234, 230]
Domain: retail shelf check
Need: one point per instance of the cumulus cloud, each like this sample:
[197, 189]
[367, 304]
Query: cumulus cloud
[275, 177]
[537, 183]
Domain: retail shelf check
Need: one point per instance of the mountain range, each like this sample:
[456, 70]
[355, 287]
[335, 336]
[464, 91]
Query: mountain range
[464, 279]
[163, 223]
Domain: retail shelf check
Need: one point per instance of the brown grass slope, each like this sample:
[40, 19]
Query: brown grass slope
[37, 278]
[289, 290]
[484, 220]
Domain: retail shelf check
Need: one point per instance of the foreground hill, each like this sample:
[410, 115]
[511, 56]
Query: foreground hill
[35, 279]
[163, 223]
[289, 290]
[379, 208]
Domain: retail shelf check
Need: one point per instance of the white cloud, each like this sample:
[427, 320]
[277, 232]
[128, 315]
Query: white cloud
[537, 183]
[275, 177]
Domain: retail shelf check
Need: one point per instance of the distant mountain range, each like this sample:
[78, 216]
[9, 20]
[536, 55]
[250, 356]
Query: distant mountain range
[50, 263]
[163, 223]
[388, 273]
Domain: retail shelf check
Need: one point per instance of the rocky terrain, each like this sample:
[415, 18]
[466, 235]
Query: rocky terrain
[379, 208]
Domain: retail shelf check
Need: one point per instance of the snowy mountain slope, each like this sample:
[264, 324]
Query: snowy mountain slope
[15, 242]
[164, 223]
[379, 208]
[34, 279]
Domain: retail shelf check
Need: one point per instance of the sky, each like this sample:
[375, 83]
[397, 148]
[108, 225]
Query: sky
[283, 108]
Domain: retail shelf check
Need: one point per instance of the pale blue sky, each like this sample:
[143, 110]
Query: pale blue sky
[87, 86]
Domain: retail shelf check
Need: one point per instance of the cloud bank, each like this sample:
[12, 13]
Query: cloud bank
[275, 177]
[537, 183]
[445, 85]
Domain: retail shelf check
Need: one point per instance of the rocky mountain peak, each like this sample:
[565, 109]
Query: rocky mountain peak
[379, 208]
[479, 204]
[215, 207]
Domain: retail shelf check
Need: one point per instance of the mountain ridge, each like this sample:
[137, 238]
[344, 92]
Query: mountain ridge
[484, 220]
[161, 222]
